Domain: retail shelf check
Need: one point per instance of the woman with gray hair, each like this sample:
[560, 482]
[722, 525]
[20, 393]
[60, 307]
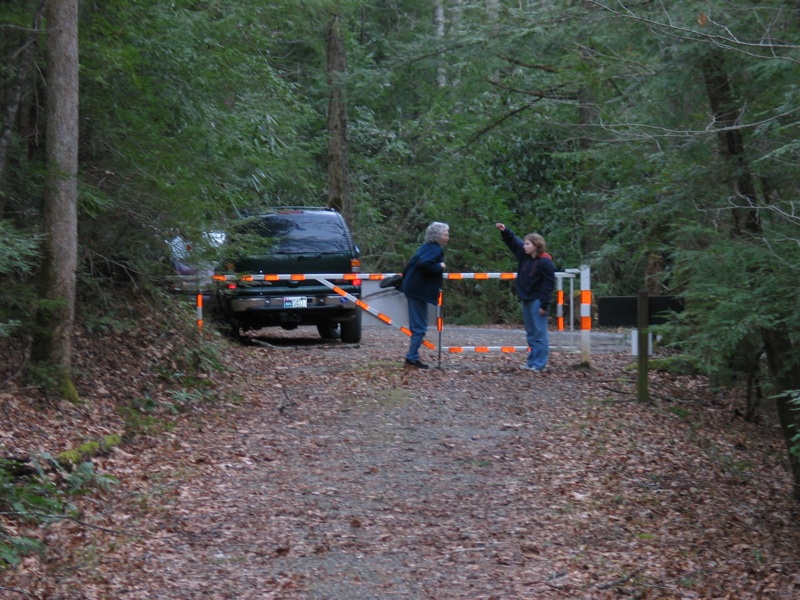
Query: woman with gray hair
[422, 282]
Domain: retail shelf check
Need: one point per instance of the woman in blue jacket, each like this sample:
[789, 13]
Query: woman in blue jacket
[422, 282]
[536, 276]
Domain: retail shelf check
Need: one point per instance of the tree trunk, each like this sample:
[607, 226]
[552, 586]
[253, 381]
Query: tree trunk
[53, 336]
[338, 175]
[439, 22]
[779, 349]
[726, 116]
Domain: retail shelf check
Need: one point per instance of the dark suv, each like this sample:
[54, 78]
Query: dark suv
[287, 241]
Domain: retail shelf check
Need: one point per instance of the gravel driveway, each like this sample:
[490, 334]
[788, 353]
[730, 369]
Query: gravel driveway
[340, 475]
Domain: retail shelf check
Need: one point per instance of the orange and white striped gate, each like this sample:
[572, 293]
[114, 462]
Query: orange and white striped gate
[570, 274]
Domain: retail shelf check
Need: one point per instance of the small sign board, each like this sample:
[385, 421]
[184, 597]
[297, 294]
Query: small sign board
[620, 311]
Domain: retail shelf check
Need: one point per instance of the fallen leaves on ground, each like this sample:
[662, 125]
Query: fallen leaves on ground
[325, 470]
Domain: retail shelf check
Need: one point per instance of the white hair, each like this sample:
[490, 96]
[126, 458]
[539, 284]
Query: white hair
[436, 231]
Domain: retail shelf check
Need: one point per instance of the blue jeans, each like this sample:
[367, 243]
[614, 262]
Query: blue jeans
[536, 334]
[418, 324]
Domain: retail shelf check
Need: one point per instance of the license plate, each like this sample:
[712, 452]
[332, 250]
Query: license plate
[295, 302]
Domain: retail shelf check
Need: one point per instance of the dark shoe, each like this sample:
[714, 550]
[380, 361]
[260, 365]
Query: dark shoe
[417, 364]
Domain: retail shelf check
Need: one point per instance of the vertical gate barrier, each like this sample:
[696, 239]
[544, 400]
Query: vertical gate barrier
[569, 274]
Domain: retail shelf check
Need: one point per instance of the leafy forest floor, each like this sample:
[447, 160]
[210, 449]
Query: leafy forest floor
[328, 471]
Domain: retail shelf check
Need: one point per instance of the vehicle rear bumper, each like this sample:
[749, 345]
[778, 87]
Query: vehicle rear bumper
[269, 303]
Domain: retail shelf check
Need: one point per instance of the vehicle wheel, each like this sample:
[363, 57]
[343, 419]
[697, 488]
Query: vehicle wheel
[351, 330]
[328, 331]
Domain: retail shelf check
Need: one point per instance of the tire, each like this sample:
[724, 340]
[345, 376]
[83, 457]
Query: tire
[351, 330]
[327, 331]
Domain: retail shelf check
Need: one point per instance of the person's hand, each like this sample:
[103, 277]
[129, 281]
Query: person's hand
[500, 226]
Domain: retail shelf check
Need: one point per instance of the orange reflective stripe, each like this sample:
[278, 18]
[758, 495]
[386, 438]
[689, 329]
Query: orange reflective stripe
[586, 323]
[298, 277]
[560, 296]
[508, 349]
[384, 318]
[508, 275]
[427, 344]
[405, 330]
[560, 323]
[481, 276]
[271, 277]
[455, 350]
[586, 296]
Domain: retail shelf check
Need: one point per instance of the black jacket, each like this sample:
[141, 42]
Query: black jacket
[536, 277]
[422, 278]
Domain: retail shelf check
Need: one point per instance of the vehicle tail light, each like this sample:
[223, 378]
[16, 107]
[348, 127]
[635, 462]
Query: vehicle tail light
[350, 278]
[355, 265]
[231, 286]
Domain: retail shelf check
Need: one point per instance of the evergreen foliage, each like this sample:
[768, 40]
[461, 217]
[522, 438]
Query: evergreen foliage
[41, 491]
[18, 254]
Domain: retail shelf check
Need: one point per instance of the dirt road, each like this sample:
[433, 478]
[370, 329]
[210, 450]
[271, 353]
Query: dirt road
[340, 475]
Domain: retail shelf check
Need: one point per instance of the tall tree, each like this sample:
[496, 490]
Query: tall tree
[53, 338]
[746, 226]
[338, 174]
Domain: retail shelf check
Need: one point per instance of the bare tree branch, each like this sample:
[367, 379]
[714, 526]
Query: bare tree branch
[520, 63]
[728, 41]
[542, 95]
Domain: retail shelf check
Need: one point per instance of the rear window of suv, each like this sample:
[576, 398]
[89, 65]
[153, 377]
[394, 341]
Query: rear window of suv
[300, 233]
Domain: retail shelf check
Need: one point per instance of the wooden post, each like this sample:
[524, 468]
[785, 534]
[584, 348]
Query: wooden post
[642, 311]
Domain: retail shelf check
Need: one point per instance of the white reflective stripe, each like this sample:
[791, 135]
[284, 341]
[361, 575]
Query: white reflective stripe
[586, 310]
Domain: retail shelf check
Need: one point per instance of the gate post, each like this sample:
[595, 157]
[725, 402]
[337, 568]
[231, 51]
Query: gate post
[642, 323]
[560, 303]
[586, 313]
